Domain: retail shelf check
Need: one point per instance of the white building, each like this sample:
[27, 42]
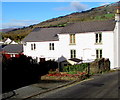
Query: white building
[83, 40]
[8, 41]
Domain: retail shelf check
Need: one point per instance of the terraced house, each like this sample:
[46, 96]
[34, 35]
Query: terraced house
[84, 40]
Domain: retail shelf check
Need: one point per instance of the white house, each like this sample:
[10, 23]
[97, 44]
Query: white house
[84, 40]
[8, 41]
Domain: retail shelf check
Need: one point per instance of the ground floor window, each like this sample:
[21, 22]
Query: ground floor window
[12, 55]
[51, 46]
[73, 53]
[98, 53]
[33, 46]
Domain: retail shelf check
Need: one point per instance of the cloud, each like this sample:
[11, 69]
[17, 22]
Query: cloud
[78, 6]
[18, 23]
[103, 4]
[74, 6]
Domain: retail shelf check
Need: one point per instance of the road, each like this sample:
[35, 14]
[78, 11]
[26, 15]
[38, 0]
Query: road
[102, 86]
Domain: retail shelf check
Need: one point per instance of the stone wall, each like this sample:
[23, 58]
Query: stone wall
[99, 66]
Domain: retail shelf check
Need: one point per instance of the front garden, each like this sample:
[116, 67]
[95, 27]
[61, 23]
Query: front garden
[74, 72]
[80, 71]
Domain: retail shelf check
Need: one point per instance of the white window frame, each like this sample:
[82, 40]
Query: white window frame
[99, 53]
[98, 37]
[73, 53]
[72, 39]
[51, 46]
[33, 46]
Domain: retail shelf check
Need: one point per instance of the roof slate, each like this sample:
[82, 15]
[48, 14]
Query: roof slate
[90, 26]
[13, 48]
[43, 34]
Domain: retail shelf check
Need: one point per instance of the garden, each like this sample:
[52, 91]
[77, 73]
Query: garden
[73, 72]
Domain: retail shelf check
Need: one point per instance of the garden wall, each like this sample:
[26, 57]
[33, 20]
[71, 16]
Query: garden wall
[99, 66]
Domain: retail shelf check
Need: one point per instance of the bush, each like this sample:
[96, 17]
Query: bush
[80, 67]
[23, 71]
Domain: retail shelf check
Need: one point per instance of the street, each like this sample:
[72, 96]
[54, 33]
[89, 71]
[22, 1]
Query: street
[102, 86]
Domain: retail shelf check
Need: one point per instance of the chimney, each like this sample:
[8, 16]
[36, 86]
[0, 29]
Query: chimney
[117, 15]
[117, 39]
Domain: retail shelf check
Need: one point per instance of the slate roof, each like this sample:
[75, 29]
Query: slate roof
[13, 48]
[43, 34]
[50, 34]
[89, 26]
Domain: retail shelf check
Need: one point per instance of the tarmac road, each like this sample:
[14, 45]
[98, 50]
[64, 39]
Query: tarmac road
[102, 86]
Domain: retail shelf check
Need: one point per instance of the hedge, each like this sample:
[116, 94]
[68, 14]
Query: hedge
[79, 67]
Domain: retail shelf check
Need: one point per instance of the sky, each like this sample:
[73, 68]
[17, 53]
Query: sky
[18, 14]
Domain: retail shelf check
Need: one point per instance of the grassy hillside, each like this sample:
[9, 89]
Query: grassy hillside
[99, 13]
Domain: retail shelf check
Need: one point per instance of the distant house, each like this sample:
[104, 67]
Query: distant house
[8, 41]
[12, 50]
[88, 40]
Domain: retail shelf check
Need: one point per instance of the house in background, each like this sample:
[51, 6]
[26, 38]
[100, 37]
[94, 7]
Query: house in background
[8, 41]
[12, 50]
[84, 40]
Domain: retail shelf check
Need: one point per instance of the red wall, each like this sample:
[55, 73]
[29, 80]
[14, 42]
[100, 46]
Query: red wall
[10, 55]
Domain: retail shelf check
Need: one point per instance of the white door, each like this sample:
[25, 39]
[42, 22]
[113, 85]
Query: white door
[87, 54]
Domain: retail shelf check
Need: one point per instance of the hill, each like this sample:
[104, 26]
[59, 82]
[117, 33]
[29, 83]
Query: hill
[105, 12]
[6, 30]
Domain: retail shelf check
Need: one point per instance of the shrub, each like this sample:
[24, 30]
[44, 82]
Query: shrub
[80, 67]
[23, 71]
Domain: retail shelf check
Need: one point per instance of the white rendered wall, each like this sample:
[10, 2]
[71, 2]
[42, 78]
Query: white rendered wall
[85, 47]
[117, 45]
[42, 50]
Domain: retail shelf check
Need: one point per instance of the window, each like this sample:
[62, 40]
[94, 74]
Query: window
[51, 46]
[73, 53]
[98, 37]
[98, 53]
[12, 55]
[33, 46]
[72, 38]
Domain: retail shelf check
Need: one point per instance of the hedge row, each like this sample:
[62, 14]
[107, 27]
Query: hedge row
[80, 67]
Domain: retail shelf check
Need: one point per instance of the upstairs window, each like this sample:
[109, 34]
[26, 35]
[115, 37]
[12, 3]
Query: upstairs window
[33, 46]
[98, 53]
[98, 37]
[73, 53]
[51, 46]
[72, 38]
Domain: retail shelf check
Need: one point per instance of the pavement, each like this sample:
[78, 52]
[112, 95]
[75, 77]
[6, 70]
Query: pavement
[35, 89]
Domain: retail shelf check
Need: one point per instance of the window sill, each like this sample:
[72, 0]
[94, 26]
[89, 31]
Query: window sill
[72, 44]
[98, 43]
